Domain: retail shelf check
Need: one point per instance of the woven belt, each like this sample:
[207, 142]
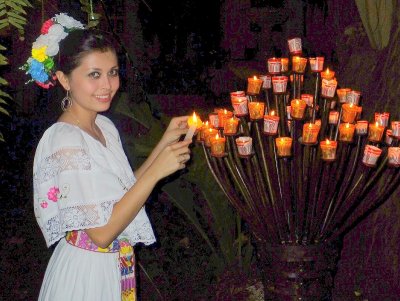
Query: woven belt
[81, 240]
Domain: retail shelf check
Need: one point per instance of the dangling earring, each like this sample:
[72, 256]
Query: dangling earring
[66, 102]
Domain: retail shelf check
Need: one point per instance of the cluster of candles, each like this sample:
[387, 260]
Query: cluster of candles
[345, 121]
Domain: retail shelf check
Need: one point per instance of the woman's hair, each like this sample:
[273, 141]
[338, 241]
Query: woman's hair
[78, 44]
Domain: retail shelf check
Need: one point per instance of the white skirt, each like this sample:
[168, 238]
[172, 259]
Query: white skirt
[75, 274]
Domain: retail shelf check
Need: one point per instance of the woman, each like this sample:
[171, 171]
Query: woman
[86, 196]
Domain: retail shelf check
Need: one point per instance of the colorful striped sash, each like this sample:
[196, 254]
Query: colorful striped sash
[81, 240]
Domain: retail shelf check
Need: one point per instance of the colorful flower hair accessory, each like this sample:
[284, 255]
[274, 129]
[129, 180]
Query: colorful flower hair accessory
[40, 66]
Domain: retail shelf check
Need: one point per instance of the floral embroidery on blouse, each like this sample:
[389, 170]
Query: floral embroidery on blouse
[54, 194]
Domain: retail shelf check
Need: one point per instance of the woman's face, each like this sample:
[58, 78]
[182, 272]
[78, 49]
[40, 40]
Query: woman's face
[94, 82]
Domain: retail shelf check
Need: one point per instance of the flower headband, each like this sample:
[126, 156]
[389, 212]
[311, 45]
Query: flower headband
[40, 65]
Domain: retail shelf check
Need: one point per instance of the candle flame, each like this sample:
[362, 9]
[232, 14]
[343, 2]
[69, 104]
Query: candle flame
[377, 124]
[327, 71]
[347, 125]
[297, 101]
[194, 117]
[225, 111]
[217, 136]
[272, 113]
[206, 123]
[327, 141]
[255, 77]
[351, 105]
[310, 125]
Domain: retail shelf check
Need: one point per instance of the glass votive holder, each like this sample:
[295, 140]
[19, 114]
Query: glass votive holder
[375, 132]
[284, 64]
[342, 94]
[328, 74]
[382, 118]
[256, 110]
[239, 104]
[353, 97]
[395, 128]
[274, 65]
[254, 85]
[328, 88]
[362, 127]
[266, 81]
[308, 98]
[333, 117]
[371, 155]
[213, 118]
[279, 84]
[204, 128]
[295, 46]
[271, 123]
[231, 126]
[388, 137]
[328, 150]
[217, 146]
[244, 145]
[298, 107]
[349, 112]
[222, 116]
[318, 123]
[284, 146]
[299, 64]
[210, 132]
[235, 94]
[310, 133]
[346, 132]
[316, 63]
[394, 156]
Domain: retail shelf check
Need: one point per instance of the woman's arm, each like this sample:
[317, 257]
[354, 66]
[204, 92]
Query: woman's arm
[176, 128]
[170, 159]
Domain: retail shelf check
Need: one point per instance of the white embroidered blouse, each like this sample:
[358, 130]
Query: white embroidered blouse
[77, 180]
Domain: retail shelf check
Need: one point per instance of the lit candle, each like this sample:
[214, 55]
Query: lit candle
[310, 133]
[217, 146]
[244, 145]
[396, 129]
[298, 107]
[328, 74]
[316, 63]
[231, 125]
[346, 132]
[295, 46]
[284, 146]
[394, 156]
[375, 132]
[342, 94]
[254, 85]
[362, 127]
[256, 110]
[222, 116]
[239, 105]
[328, 149]
[204, 128]
[382, 118]
[194, 122]
[274, 65]
[349, 112]
[208, 134]
[299, 64]
[279, 84]
[328, 87]
[371, 155]
[271, 123]
[284, 64]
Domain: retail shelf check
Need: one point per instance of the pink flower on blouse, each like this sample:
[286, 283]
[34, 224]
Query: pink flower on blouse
[43, 204]
[52, 194]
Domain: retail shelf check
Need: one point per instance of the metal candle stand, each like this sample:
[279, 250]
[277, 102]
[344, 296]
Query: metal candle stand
[299, 207]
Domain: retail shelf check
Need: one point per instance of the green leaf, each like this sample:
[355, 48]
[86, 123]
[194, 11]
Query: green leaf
[23, 3]
[4, 111]
[15, 24]
[2, 47]
[16, 7]
[3, 101]
[16, 16]
[4, 94]
[3, 81]
[1, 137]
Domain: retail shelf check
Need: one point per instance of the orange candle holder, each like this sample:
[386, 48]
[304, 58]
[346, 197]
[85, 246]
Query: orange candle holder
[310, 133]
[239, 105]
[298, 107]
[274, 65]
[256, 110]
[244, 145]
[299, 64]
[204, 128]
[217, 146]
[375, 132]
[346, 132]
[371, 155]
[394, 156]
[284, 64]
[349, 112]
[328, 150]
[328, 74]
[295, 46]
[271, 123]
[284, 146]
[208, 134]
[254, 85]
[316, 63]
[222, 116]
[342, 94]
[231, 126]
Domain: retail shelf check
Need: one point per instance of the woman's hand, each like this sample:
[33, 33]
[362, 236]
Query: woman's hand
[172, 158]
[176, 128]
